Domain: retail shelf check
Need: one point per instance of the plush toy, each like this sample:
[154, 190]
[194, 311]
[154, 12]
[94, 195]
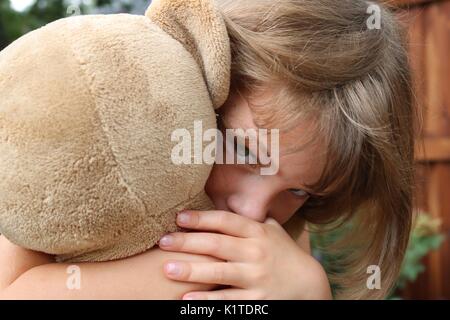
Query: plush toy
[87, 108]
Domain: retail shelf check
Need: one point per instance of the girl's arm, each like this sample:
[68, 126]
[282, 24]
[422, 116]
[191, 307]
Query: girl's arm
[15, 260]
[27, 274]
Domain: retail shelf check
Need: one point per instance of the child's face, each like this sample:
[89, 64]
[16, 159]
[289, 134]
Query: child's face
[240, 188]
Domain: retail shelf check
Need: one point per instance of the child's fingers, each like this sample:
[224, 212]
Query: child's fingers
[212, 244]
[226, 273]
[222, 221]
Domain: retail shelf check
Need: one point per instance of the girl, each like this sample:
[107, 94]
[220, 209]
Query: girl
[340, 93]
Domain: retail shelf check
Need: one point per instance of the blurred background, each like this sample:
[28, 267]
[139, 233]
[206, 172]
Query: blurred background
[429, 31]
[426, 270]
[18, 17]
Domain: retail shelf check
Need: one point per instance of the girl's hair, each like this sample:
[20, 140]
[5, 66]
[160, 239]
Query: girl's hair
[354, 82]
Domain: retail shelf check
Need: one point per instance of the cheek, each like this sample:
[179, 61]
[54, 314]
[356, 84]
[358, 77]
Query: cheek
[223, 180]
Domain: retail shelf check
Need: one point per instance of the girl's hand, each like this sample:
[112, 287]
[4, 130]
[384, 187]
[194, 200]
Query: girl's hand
[260, 260]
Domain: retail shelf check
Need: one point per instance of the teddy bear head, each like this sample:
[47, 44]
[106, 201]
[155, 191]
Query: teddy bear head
[87, 111]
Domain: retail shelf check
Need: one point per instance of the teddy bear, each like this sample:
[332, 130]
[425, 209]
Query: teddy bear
[87, 108]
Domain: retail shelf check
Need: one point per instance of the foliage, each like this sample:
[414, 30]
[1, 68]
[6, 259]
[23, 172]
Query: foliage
[424, 238]
[14, 24]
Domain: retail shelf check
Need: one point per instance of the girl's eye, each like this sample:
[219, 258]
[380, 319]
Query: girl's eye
[298, 192]
[244, 152]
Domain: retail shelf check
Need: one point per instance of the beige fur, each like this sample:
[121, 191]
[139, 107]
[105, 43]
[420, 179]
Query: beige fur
[87, 108]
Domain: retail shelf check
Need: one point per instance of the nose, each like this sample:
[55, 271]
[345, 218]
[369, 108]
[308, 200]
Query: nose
[253, 203]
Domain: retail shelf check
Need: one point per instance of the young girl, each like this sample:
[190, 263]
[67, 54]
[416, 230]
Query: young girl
[340, 93]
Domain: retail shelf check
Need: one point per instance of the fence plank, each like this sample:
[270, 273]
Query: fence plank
[429, 33]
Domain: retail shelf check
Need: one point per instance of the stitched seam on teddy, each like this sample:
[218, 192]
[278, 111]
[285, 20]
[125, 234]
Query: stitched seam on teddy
[102, 128]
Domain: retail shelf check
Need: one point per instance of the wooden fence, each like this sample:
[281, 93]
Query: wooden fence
[429, 31]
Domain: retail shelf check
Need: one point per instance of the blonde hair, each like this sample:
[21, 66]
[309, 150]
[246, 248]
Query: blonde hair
[355, 83]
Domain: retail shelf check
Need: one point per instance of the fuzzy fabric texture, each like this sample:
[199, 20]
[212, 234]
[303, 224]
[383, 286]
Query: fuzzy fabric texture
[87, 108]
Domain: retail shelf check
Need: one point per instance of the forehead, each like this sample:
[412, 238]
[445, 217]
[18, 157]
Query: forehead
[300, 157]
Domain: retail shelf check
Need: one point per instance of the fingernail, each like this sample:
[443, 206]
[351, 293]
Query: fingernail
[173, 269]
[188, 297]
[166, 241]
[183, 218]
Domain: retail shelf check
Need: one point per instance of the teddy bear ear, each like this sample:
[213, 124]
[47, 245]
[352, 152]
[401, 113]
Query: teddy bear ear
[200, 28]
